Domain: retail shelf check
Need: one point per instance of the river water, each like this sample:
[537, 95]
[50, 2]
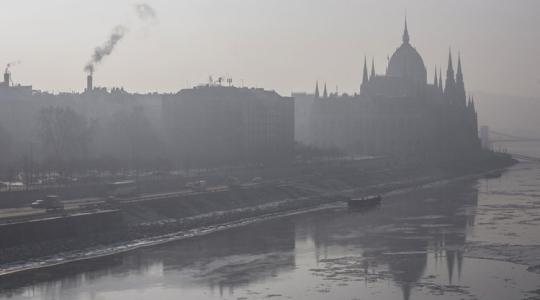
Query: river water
[431, 243]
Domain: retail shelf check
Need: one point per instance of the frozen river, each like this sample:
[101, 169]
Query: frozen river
[469, 239]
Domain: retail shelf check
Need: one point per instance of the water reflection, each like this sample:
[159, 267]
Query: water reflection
[406, 239]
[222, 261]
[402, 232]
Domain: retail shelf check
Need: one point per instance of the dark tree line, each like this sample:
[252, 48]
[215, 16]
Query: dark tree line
[67, 144]
[63, 133]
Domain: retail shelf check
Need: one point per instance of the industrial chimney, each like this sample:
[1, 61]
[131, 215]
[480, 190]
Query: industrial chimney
[7, 76]
[89, 84]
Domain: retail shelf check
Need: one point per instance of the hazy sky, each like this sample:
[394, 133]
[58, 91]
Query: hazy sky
[277, 44]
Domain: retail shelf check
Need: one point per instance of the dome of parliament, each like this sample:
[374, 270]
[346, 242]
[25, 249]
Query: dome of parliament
[406, 62]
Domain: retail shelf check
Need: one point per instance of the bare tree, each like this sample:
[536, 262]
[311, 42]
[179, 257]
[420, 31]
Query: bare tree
[131, 138]
[64, 134]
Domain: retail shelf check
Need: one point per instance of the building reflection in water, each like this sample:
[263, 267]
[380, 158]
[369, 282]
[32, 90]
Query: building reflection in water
[403, 233]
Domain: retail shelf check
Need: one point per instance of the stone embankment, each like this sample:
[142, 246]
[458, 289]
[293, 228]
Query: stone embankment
[138, 220]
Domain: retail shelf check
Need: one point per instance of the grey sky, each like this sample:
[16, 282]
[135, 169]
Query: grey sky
[281, 44]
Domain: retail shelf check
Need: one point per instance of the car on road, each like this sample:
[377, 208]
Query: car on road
[197, 186]
[49, 203]
[121, 189]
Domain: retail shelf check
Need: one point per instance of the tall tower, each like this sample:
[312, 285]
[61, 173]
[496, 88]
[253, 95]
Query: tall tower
[7, 77]
[317, 96]
[89, 83]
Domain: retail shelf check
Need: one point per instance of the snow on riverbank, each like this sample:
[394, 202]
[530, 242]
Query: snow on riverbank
[523, 255]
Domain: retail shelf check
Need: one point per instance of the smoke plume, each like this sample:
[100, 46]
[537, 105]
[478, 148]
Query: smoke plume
[145, 12]
[11, 64]
[107, 48]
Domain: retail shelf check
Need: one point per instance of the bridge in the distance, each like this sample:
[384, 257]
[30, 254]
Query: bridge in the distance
[494, 137]
[500, 137]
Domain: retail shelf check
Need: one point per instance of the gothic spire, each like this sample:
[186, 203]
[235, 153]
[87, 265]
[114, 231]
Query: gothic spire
[460, 85]
[459, 75]
[450, 70]
[365, 77]
[325, 92]
[372, 69]
[317, 90]
[406, 33]
[450, 79]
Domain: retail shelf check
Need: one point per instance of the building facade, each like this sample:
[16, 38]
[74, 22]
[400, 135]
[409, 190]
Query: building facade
[399, 113]
[216, 125]
[303, 102]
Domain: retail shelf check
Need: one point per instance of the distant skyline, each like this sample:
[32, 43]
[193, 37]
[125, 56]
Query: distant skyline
[281, 45]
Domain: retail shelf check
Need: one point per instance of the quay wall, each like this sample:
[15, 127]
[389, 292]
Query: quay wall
[60, 227]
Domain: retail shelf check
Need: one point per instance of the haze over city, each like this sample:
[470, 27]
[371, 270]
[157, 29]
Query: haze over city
[257, 149]
[286, 45]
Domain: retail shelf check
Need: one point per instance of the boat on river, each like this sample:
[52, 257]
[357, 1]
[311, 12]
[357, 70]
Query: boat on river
[364, 202]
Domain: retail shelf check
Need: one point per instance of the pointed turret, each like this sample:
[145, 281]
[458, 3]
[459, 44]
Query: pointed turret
[372, 69]
[459, 74]
[406, 33]
[461, 96]
[449, 88]
[325, 92]
[365, 77]
[317, 90]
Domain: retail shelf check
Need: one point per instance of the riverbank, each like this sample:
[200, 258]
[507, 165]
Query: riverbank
[153, 223]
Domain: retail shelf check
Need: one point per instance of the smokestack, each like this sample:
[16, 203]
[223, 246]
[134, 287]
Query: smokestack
[89, 84]
[6, 78]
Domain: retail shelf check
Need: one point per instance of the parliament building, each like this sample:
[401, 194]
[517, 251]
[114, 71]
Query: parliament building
[399, 113]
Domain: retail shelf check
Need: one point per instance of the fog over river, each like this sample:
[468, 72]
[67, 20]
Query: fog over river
[432, 243]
